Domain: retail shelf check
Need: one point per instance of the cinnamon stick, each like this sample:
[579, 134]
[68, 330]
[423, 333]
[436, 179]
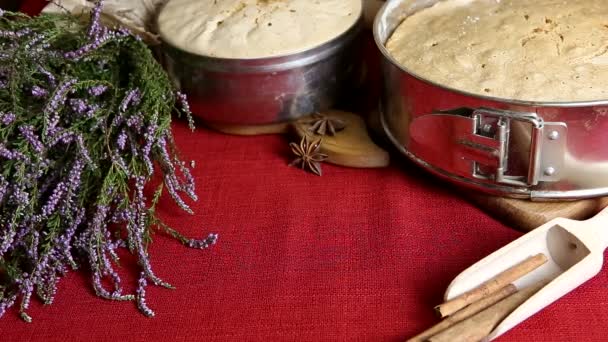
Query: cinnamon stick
[466, 313]
[501, 280]
[480, 325]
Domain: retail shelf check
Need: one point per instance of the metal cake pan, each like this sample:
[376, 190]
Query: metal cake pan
[268, 90]
[537, 150]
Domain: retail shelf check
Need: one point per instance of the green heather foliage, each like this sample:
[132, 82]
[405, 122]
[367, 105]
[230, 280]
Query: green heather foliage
[85, 115]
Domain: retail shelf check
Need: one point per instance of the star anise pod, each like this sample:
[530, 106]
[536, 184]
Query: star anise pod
[308, 155]
[320, 124]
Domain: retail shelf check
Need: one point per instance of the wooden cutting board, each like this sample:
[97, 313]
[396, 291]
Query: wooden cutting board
[526, 215]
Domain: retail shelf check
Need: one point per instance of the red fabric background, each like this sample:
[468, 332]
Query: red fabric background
[353, 255]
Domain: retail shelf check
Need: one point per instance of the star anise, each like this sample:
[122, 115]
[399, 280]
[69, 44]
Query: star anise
[308, 155]
[320, 124]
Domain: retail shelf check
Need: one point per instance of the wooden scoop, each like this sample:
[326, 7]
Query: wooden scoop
[574, 250]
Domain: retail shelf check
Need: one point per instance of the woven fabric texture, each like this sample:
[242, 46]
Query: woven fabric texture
[355, 255]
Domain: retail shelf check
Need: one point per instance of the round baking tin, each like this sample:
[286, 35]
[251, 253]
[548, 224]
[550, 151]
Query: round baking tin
[269, 90]
[537, 150]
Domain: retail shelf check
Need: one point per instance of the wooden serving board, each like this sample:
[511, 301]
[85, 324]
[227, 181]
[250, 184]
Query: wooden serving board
[526, 215]
[350, 147]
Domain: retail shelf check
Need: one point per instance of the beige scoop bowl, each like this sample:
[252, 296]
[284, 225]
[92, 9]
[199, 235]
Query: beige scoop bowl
[575, 251]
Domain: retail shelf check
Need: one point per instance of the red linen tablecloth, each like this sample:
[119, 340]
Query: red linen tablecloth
[354, 255]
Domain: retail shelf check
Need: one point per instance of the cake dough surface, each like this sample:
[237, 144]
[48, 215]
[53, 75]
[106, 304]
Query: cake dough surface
[254, 28]
[542, 50]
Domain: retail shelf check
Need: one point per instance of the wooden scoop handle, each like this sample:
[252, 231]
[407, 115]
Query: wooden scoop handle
[596, 229]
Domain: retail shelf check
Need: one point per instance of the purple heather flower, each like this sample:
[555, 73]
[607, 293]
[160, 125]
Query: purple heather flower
[190, 185]
[64, 137]
[20, 196]
[92, 109]
[15, 34]
[23, 229]
[118, 160]
[101, 36]
[34, 41]
[7, 118]
[97, 90]
[133, 146]
[95, 227]
[173, 188]
[121, 141]
[79, 106]
[3, 188]
[74, 176]
[64, 244]
[49, 76]
[141, 296]
[171, 181]
[10, 155]
[140, 182]
[47, 283]
[52, 107]
[136, 231]
[132, 98]
[124, 31]
[22, 33]
[117, 294]
[7, 34]
[123, 215]
[149, 142]
[136, 122]
[108, 270]
[54, 199]
[164, 153]
[97, 286]
[73, 183]
[7, 240]
[75, 55]
[84, 152]
[6, 303]
[183, 101]
[100, 263]
[39, 92]
[202, 244]
[52, 131]
[59, 181]
[95, 25]
[33, 250]
[28, 133]
[26, 291]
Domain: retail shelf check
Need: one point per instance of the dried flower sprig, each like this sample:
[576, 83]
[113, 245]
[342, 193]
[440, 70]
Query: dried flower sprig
[85, 114]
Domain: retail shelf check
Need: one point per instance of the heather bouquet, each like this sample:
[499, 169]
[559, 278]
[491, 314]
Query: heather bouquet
[85, 113]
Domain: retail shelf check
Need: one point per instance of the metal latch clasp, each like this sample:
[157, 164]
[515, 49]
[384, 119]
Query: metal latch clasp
[498, 134]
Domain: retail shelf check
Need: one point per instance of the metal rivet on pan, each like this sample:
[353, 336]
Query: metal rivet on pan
[554, 135]
[550, 171]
